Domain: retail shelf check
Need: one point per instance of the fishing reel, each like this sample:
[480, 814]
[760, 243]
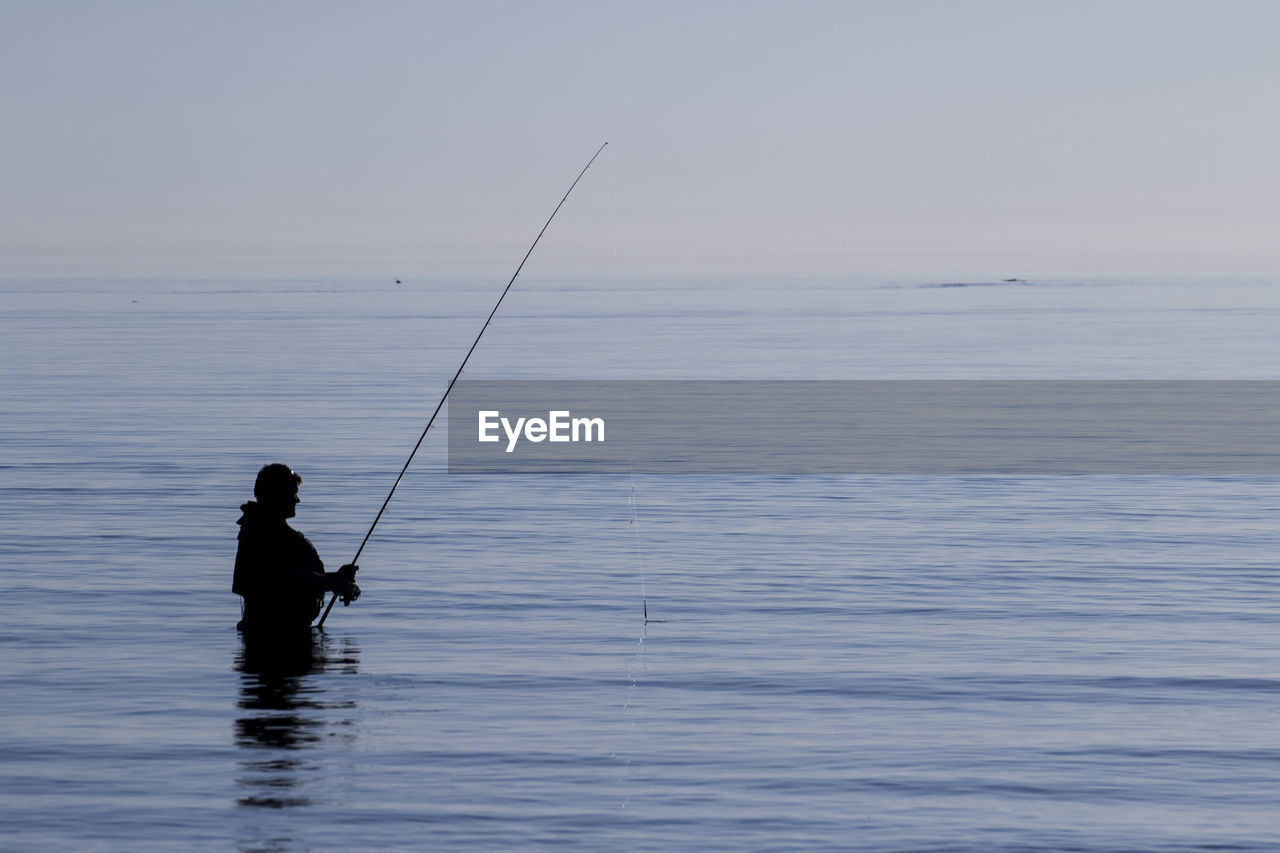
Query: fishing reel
[352, 592]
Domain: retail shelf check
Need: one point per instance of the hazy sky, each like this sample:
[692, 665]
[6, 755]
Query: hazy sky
[421, 138]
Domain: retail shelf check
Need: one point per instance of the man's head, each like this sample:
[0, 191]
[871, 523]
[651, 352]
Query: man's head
[277, 489]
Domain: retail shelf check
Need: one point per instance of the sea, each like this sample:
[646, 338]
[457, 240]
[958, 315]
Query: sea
[829, 661]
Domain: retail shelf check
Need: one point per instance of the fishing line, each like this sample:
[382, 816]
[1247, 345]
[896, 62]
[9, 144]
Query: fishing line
[454, 380]
[635, 525]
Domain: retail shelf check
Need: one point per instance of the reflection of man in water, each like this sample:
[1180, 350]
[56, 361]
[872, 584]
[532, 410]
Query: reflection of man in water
[278, 572]
[286, 706]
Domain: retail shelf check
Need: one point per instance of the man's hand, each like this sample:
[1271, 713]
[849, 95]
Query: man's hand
[347, 589]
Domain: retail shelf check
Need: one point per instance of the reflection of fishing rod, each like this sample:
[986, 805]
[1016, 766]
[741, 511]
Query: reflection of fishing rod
[454, 380]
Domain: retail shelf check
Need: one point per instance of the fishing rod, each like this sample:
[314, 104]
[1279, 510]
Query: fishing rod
[454, 380]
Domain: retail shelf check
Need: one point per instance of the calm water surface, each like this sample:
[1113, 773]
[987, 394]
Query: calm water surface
[842, 662]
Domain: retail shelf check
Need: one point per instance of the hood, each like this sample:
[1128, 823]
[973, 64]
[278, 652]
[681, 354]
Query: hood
[254, 518]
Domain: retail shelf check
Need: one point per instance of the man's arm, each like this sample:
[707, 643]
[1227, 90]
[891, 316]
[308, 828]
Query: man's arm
[343, 581]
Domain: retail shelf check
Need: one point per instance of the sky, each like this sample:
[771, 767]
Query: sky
[960, 138]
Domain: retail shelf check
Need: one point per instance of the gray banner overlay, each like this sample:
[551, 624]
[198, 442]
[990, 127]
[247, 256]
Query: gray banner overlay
[916, 427]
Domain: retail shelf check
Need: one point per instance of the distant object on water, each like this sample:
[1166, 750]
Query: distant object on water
[999, 283]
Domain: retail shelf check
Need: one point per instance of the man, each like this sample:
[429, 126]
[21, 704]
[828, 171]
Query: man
[278, 572]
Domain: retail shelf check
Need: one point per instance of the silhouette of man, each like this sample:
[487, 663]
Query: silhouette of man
[278, 572]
